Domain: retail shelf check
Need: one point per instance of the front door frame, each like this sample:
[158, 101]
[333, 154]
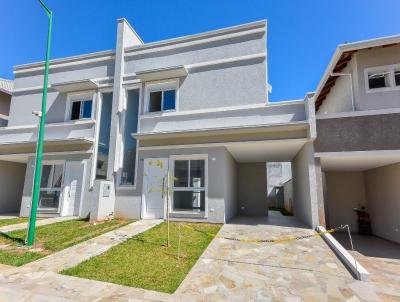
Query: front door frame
[82, 188]
[143, 203]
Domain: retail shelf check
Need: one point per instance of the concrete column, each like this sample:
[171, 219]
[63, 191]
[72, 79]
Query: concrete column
[126, 37]
[305, 188]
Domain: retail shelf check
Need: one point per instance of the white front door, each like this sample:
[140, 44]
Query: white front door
[73, 184]
[155, 170]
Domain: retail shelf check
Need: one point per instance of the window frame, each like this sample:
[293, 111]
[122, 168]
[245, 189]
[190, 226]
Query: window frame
[53, 163]
[172, 160]
[80, 97]
[122, 142]
[171, 84]
[390, 69]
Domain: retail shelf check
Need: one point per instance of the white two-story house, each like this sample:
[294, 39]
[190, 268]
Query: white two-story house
[194, 108]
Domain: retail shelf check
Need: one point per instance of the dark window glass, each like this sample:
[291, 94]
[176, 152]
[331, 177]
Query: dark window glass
[104, 136]
[181, 173]
[193, 201]
[130, 126]
[76, 110]
[169, 100]
[87, 109]
[46, 173]
[377, 80]
[155, 101]
[197, 173]
[397, 77]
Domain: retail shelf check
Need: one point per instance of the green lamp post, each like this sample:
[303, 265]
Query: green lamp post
[39, 150]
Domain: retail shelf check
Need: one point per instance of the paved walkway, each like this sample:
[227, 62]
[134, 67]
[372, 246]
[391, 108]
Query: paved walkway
[23, 225]
[305, 270]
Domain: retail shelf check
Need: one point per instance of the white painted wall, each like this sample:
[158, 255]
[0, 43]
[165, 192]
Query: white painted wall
[11, 186]
[383, 201]
[345, 191]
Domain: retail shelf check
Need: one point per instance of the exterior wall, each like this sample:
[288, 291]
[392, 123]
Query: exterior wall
[277, 174]
[358, 133]
[28, 182]
[28, 94]
[339, 98]
[288, 195]
[222, 84]
[305, 186]
[252, 189]
[128, 200]
[11, 186]
[231, 203]
[345, 191]
[375, 57]
[383, 201]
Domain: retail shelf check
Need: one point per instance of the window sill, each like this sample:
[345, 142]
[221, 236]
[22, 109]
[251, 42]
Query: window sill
[126, 187]
[383, 89]
[158, 113]
[200, 215]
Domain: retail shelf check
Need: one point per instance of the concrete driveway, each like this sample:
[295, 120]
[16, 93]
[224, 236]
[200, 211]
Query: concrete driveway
[304, 270]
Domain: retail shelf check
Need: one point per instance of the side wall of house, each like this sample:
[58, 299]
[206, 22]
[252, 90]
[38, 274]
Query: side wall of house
[231, 205]
[11, 186]
[383, 201]
[305, 186]
[345, 191]
[252, 189]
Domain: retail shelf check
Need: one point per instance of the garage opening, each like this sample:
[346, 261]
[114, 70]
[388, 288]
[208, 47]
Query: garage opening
[274, 177]
[364, 193]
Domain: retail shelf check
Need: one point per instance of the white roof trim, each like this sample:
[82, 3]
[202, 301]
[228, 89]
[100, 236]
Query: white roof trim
[205, 37]
[341, 48]
[162, 73]
[73, 86]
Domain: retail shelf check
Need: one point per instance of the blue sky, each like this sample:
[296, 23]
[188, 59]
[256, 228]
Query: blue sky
[302, 34]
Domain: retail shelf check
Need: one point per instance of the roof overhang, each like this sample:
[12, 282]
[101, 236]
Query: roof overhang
[341, 58]
[76, 144]
[357, 160]
[162, 73]
[74, 86]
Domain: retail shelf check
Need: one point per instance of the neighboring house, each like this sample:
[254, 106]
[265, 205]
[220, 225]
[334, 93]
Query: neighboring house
[278, 173]
[358, 136]
[195, 106]
[6, 87]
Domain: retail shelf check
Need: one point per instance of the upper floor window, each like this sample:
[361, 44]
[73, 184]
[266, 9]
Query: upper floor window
[81, 109]
[383, 78]
[161, 96]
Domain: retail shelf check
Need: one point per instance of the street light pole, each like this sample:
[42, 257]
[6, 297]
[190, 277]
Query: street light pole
[39, 149]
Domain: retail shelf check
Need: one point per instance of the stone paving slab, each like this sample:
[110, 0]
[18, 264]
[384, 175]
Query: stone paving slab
[24, 225]
[304, 270]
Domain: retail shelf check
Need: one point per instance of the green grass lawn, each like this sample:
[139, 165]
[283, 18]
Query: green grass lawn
[4, 222]
[284, 212]
[51, 238]
[144, 261]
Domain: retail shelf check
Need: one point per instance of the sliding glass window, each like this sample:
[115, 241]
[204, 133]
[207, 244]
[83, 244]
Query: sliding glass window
[189, 188]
